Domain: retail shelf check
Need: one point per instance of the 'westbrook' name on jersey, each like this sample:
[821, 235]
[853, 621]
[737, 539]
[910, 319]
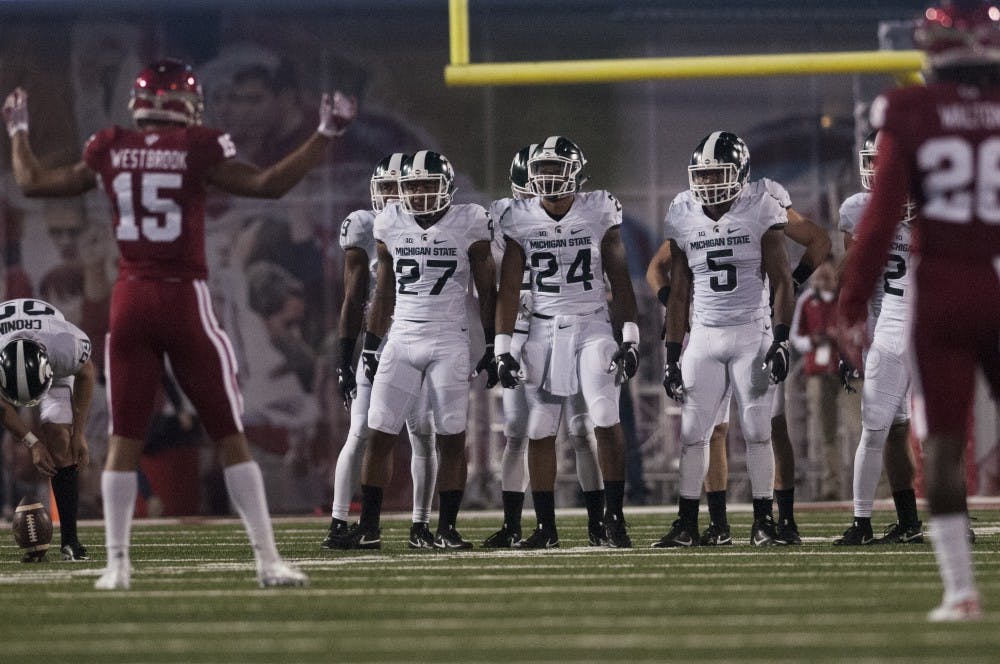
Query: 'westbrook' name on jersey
[137, 158]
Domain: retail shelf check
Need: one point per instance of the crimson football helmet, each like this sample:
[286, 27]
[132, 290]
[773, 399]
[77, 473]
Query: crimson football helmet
[719, 169]
[555, 168]
[960, 33]
[167, 91]
[519, 188]
[25, 372]
[427, 183]
[385, 180]
[866, 166]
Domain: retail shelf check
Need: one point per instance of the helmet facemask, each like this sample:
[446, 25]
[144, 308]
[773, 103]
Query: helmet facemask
[866, 166]
[552, 176]
[167, 91]
[714, 183]
[424, 194]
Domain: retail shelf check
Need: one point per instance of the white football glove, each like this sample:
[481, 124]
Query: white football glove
[336, 113]
[15, 111]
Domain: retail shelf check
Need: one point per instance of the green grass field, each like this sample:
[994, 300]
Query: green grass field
[194, 599]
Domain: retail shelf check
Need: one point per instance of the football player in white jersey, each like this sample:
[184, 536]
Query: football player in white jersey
[730, 237]
[817, 244]
[358, 242]
[514, 461]
[428, 250]
[45, 360]
[569, 240]
[885, 395]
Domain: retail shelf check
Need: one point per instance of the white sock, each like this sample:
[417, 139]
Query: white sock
[588, 470]
[514, 465]
[760, 468]
[868, 469]
[245, 485]
[118, 493]
[694, 465]
[423, 468]
[950, 536]
[347, 474]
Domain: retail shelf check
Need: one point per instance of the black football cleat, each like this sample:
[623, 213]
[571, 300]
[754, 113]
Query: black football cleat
[420, 536]
[680, 536]
[542, 538]
[716, 535]
[596, 534]
[364, 538]
[74, 551]
[338, 537]
[787, 533]
[616, 530]
[504, 538]
[450, 540]
[900, 534]
[763, 532]
[859, 534]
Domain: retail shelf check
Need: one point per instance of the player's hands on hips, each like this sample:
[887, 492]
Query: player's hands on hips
[370, 354]
[488, 363]
[508, 370]
[625, 362]
[673, 381]
[15, 111]
[335, 113]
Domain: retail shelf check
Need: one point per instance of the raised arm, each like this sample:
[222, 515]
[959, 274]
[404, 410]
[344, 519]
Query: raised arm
[31, 176]
[245, 179]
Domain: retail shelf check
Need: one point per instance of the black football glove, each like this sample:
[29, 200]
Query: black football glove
[777, 357]
[508, 370]
[370, 354]
[673, 381]
[488, 363]
[847, 374]
[346, 378]
[625, 362]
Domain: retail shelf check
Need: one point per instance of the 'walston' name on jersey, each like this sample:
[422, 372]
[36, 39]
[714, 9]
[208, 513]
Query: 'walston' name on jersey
[721, 242]
[22, 324]
[166, 160]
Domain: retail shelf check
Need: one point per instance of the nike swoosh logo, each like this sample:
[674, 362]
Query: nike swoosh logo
[577, 230]
[439, 241]
[551, 543]
[563, 327]
[760, 540]
[732, 230]
[685, 542]
[364, 540]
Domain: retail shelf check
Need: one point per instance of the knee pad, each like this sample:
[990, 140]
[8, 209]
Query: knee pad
[604, 412]
[579, 425]
[756, 422]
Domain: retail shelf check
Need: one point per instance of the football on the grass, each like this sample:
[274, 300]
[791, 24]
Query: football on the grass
[32, 529]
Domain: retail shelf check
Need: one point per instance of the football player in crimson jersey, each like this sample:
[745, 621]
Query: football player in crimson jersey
[816, 242]
[155, 176]
[569, 240]
[939, 145]
[726, 238]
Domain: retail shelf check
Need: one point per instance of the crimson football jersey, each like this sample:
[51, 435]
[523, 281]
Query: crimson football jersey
[156, 183]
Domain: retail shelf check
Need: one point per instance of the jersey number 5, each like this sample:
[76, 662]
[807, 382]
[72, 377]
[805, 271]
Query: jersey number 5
[166, 225]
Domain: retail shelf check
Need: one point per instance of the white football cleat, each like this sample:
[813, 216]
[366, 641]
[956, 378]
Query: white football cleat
[280, 574]
[966, 610]
[117, 577]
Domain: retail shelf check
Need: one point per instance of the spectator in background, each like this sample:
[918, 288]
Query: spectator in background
[813, 337]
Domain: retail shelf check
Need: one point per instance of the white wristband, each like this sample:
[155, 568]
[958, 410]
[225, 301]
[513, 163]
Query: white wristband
[501, 344]
[29, 440]
[630, 332]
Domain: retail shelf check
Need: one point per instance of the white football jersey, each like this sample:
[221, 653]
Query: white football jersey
[725, 256]
[432, 265]
[357, 231]
[496, 211]
[66, 345]
[564, 256]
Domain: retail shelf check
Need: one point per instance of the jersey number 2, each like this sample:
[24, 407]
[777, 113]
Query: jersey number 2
[166, 225]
